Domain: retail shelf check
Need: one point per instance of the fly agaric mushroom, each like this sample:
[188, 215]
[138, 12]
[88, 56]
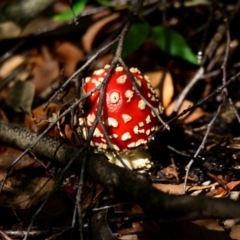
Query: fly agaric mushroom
[128, 120]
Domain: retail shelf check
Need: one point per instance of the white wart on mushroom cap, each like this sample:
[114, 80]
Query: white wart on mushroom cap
[128, 120]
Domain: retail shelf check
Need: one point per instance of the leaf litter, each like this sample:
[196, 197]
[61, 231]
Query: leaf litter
[54, 62]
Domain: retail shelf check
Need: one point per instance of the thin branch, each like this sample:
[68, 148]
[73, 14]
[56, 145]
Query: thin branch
[35, 233]
[73, 12]
[104, 83]
[96, 55]
[4, 235]
[155, 110]
[234, 109]
[178, 152]
[57, 183]
[79, 197]
[200, 102]
[201, 146]
[187, 89]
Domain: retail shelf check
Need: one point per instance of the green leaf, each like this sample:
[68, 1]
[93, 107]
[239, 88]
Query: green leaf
[173, 43]
[77, 8]
[135, 38]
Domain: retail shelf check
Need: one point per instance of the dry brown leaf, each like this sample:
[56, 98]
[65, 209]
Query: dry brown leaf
[90, 35]
[9, 30]
[163, 86]
[70, 55]
[170, 171]
[178, 189]
[39, 23]
[104, 60]
[10, 65]
[7, 157]
[3, 93]
[45, 74]
[220, 191]
[129, 237]
[68, 131]
[45, 71]
[88, 198]
[100, 14]
[41, 118]
[22, 191]
[229, 223]
[235, 232]
[189, 117]
[3, 116]
[231, 185]
[209, 224]
[217, 193]
[25, 74]
[137, 209]
[169, 188]
[59, 7]
[136, 227]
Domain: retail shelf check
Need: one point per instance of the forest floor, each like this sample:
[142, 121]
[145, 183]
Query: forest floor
[190, 52]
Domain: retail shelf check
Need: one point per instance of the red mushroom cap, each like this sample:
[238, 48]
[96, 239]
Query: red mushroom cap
[128, 120]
